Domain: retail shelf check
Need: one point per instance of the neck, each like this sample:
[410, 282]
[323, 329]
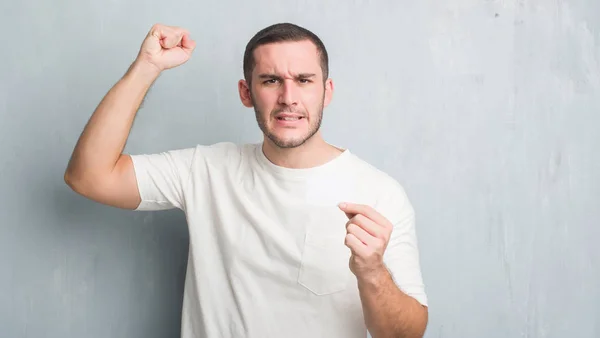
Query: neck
[314, 152]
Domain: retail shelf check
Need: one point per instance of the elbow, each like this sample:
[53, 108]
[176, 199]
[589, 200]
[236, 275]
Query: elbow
[74, 180]
[68, 178]
[71, 181]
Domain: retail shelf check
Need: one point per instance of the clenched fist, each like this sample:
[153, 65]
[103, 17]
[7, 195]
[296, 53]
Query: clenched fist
[166, 47]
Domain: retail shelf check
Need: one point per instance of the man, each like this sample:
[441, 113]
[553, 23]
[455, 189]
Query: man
[292, 237]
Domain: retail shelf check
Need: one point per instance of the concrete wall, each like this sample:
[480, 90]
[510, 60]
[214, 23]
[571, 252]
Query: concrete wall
[486, 111]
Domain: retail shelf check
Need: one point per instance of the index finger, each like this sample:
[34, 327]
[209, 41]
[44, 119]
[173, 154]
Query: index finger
[352, 209]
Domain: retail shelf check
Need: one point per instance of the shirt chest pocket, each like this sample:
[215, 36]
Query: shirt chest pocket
[324, 267]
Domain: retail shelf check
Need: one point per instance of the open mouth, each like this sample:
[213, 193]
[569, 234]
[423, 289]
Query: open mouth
[289, 118]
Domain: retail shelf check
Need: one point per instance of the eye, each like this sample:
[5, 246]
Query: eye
[305, 81]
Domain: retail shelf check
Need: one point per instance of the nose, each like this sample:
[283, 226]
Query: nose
[288, 94]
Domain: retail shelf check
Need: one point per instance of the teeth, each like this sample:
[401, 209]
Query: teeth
[290, 118]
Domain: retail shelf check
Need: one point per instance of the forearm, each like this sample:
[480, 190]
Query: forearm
[103, 139]
[388, 311]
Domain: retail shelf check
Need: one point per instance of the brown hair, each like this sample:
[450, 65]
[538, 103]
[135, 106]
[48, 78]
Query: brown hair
[283, 32]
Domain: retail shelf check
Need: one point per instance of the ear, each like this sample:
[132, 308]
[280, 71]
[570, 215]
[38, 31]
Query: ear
[245, 96]
[328, 92]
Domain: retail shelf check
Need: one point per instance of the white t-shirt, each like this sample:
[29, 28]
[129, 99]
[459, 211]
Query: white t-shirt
[267, 255]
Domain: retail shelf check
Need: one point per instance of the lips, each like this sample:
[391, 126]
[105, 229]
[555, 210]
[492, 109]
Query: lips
[288, 117]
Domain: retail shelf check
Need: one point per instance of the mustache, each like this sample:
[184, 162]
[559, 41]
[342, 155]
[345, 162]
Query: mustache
[289, 110]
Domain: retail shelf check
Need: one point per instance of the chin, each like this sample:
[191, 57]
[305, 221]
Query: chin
[287, 138]
[287, 142]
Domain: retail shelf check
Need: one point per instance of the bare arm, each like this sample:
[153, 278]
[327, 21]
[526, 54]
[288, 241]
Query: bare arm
[98, 169]
[388, 311]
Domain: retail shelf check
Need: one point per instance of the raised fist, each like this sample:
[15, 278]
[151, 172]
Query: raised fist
[166, 47]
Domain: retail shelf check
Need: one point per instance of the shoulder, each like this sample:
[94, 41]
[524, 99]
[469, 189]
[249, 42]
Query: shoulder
[388, 194]
[218, 149]
[381, 181]
[221, 152]
[224, 157]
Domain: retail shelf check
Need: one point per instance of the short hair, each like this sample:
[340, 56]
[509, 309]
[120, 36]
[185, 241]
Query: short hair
[283, 32]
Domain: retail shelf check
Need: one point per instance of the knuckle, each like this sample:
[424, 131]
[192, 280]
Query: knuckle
[352, 227]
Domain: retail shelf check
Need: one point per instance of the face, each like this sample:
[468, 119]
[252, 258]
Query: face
[288, 92]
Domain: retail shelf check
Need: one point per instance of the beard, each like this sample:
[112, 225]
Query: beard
[287, 143]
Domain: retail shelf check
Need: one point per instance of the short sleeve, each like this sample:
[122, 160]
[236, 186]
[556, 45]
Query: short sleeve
[402, 254]
[162, 178]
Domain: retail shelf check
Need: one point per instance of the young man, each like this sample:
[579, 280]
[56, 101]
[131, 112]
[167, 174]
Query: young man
[292, 237]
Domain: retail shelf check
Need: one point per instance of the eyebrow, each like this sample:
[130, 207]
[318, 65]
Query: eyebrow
[273, 76]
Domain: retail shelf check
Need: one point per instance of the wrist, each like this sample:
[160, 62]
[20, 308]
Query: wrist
[373, 278]
[143, 70]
